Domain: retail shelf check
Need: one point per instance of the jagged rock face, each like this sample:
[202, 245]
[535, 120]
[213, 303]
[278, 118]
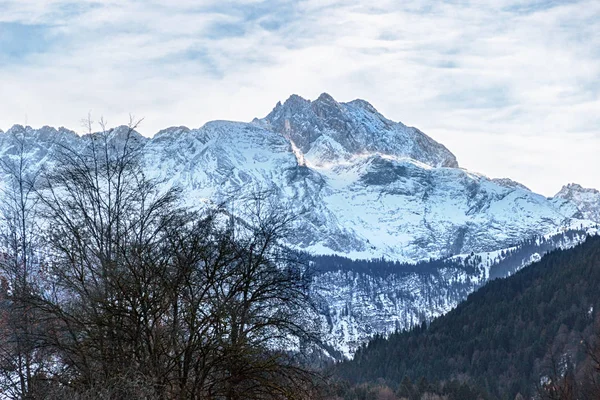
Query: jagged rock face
[363, 186]
[327, 131]
[356, 306]
[586, 201]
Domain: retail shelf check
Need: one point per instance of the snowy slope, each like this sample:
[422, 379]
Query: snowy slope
[364, 186]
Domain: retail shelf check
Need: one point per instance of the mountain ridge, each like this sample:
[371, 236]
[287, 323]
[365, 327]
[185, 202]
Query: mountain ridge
[364, 185]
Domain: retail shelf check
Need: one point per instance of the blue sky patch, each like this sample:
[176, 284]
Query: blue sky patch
[18, 41]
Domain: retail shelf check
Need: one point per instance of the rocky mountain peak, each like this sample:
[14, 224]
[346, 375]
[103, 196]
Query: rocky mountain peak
[16, 128]
[327, 131]
[294, 105]
[326, 98]
[171, 133]
[122, 131]
[586, 200]
[45, 134]
[573, 190]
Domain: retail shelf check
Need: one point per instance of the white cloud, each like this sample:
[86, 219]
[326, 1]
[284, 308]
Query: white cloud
[510, 86]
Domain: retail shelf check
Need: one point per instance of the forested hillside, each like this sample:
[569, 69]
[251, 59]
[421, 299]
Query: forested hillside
[511, 337]
[360, 298]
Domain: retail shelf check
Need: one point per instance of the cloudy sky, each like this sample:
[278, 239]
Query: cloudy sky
[512, 87]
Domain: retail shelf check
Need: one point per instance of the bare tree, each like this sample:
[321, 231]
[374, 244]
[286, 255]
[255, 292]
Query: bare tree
[22, 360]
[100, 213]
[264, 306]
[591, 373]
[560, 382]
[187, 304]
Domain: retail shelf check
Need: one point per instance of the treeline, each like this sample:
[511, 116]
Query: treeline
[512, 259]
[380, 267]
[507, 262]
[534, 332]
[112, 289]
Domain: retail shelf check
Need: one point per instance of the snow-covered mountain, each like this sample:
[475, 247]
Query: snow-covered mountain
[363, 187]
[587, 201]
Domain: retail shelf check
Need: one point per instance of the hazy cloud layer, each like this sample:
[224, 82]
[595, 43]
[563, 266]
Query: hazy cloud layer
[511, 87]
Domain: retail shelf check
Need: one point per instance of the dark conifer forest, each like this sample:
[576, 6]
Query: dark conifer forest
[532, 335]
